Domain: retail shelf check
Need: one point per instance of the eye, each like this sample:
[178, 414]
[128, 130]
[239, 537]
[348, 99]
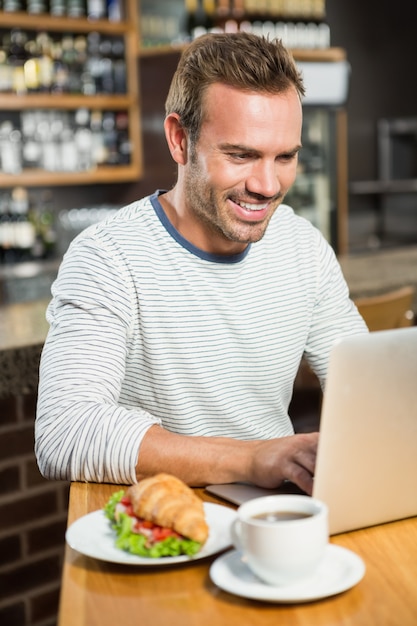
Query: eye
[240, 156]
[286, 157]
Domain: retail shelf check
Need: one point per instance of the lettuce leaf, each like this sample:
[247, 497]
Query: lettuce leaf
[135, 543]
[110, 506]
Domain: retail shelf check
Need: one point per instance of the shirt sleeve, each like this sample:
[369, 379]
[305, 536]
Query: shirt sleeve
[82, 433]
[334, 314]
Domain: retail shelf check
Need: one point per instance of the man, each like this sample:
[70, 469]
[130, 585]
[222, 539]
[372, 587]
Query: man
[177, 327]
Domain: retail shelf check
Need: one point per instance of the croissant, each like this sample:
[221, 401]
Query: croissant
[167, 501]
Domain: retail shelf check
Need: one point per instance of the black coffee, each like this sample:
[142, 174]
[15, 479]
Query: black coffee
[282, 516]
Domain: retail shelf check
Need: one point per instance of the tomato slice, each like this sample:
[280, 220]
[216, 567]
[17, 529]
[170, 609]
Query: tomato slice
[125, 501]
[145, 524]
[159, 533]
[151, 530]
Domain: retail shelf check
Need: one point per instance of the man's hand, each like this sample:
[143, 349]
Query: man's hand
[288, 458]
[204, 460]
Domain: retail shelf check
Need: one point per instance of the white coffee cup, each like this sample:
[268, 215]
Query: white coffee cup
[282, 551]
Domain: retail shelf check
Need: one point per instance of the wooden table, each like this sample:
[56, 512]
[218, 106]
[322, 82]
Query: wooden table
[95, 593]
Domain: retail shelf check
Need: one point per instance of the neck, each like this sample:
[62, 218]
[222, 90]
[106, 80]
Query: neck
[193, 229]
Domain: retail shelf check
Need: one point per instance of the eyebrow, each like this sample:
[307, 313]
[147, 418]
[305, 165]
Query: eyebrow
[242, 148]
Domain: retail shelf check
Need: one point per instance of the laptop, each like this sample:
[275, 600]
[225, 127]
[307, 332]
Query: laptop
[366, 469]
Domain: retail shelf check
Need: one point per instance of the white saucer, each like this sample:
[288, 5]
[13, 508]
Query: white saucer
[339, 571]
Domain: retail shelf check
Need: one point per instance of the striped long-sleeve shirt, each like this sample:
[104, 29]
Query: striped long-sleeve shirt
[145, 328]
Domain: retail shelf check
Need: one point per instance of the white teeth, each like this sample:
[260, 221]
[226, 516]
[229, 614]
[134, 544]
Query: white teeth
[252, 207]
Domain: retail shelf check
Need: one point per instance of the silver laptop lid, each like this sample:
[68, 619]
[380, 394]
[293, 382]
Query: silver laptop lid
[367, 456]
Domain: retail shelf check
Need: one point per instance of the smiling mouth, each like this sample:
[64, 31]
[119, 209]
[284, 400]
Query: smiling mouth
[248, 206]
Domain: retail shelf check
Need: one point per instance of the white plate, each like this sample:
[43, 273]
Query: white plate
[93, 536]
[339, 570]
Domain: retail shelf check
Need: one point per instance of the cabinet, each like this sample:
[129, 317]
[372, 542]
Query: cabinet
[319, 192]
[126, 104]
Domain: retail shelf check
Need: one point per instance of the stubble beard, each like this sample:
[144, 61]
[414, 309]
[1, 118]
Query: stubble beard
[205, 204]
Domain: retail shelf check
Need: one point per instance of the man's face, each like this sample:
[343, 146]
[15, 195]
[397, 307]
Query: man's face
[241, 167]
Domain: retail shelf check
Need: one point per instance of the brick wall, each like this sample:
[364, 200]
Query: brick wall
[33, 514]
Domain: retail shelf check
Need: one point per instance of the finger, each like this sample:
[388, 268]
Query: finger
[301, 477]
[306, 455]
[307, 460]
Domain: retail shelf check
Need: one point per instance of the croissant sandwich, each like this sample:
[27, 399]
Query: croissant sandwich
[159, 516]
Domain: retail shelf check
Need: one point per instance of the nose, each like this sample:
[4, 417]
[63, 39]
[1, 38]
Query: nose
[264, 179]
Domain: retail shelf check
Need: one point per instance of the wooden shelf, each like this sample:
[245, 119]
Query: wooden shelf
[13, 102]
[42, 178]
[163, 50]
[300, 54]
[327, 55]
[61, 24]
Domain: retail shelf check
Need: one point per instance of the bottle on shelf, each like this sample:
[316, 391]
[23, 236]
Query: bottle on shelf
[124, 147]
[119, 65]
[230, 14]
[203, 18]
[93, 61]
[71, 65]
[12, 6]
[17, 232]
[36, 7]
[6, 235]
[96, 9]
[43, 219]
[99, 149]
[115, 10]
[58, 8]
[106, 65]
[83, 140]
[110, 138]
[31, 67]
[191, 7]
[75, 8]
[31, 147]
[17, 56]
[6, 76]
[60, 78]
[23, 230]
[209, 7]
[10, 148]
[223, 12]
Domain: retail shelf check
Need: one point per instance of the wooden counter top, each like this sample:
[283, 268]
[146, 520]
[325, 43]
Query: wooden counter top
[23, 330]
[374, 273]
[23, 324]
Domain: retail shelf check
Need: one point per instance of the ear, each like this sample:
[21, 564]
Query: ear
[176, 138]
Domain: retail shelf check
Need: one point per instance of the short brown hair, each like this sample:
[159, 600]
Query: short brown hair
[241, 60]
